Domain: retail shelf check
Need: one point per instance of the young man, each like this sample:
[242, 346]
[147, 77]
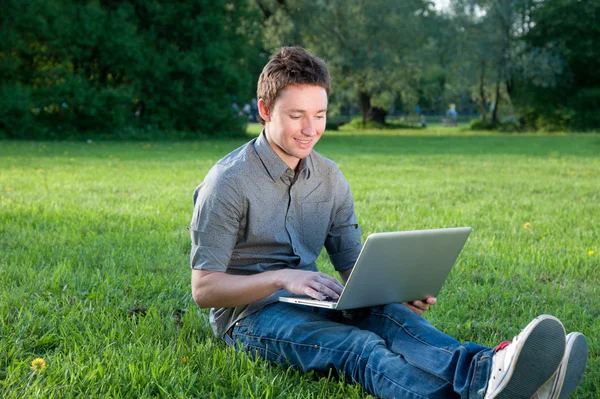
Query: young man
[262, 216]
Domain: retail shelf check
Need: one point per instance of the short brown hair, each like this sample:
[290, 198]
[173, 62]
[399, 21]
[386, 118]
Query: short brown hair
[291, 66]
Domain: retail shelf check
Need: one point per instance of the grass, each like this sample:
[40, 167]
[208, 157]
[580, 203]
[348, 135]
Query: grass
[94, 276]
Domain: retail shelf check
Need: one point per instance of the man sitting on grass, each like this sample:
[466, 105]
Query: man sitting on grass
[261, 217]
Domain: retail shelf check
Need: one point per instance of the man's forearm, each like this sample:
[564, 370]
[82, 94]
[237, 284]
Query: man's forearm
[222, 290]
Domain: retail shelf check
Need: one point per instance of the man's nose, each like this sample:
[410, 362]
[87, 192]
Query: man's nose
[308, 129]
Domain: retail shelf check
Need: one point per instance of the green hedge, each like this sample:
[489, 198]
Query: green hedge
[77, 68]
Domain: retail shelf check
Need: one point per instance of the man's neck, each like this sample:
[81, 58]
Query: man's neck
[289, 160]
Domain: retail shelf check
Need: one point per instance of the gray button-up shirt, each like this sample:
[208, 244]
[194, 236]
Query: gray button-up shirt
[252, 214]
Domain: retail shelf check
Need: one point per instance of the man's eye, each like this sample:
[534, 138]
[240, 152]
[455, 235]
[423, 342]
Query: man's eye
[320, 116]
[295, 117]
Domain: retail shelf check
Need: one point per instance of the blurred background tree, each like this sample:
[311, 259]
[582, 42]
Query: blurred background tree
[366, 44]
[71, 67]
[537, 59]
[148, 68]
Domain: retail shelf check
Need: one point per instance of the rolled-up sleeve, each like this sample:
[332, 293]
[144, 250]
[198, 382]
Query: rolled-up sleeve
[215, 224]
[343, 242]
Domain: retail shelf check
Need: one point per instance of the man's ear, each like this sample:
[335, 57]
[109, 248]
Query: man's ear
[263, 110]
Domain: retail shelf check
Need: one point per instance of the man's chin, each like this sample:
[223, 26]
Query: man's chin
[303, 154]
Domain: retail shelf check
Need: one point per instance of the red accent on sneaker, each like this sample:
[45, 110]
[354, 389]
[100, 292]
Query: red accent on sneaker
[502, 345]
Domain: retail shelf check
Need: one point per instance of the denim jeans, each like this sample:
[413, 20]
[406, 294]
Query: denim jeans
[389, 350]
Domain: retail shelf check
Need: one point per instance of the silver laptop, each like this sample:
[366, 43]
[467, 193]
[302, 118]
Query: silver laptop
[397, 267]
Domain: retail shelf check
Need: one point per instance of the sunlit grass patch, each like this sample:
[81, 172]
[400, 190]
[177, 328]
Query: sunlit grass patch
[94, 278]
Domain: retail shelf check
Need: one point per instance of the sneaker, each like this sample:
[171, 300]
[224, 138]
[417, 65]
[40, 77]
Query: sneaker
[521, 367]
[570, 371]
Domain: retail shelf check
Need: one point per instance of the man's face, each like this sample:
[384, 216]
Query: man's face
[295, 122]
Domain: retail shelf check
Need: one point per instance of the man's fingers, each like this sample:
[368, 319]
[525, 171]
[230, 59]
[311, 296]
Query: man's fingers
[413, 308]
[318, 285]
[322, 288]
[421, 305]
[311, 292]
[331, 283]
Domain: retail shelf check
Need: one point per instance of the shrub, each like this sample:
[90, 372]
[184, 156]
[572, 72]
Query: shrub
[479, 124]
[357, 124]
[510, 126]
[84, 68]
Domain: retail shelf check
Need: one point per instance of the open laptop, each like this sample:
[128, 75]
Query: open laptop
[397, 267]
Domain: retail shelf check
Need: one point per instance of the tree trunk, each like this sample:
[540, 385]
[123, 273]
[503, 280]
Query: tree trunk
[482, 91]
[364, 100]
[497, 104]
[378, 114]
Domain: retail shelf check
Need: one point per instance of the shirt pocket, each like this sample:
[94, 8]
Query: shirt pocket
[316, 220]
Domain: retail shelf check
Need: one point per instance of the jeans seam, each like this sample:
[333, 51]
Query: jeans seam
[351, 354]
[292, 343]
[417, 396]
[255, 316]
[478, 372]
[408, 332]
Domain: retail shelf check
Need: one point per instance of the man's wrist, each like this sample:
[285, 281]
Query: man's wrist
[277, 279]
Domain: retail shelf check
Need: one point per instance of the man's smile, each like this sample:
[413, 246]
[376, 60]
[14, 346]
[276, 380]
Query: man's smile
[304, 142]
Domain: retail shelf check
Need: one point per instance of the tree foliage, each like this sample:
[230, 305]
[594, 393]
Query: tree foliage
[536, 58]
[368, 44]
[74, 66]
[566, 33]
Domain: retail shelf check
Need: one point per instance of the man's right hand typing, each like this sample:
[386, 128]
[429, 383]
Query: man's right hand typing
[211, 289]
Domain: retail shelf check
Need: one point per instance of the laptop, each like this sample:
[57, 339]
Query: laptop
[394, 267]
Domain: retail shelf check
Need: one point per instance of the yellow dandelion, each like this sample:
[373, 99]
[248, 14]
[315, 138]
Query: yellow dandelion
[38, 364]
[9, 189]
[527, 225]
[185, 359]
[40, 170]
[591, 252]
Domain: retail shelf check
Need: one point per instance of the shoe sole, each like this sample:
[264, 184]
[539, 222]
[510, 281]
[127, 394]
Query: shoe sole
[537, 360]
[577, 352]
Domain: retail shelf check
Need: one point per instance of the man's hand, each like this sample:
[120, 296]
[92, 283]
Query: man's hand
[420, 307]
[314, 284]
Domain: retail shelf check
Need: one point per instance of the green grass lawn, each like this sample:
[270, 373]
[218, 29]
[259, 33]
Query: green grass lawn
[94, 273]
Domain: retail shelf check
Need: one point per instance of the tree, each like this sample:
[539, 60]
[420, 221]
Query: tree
[73, 66]
[487, 51]
[564, 34]
[538, 56]
[367, 44]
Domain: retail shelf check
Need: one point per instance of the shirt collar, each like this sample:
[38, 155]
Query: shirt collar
[275, 165]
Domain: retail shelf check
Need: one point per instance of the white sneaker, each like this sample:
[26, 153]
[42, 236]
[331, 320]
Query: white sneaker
[570, 371]
[521, 367]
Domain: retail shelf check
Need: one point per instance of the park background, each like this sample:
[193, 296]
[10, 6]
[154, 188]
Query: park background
[111, 112]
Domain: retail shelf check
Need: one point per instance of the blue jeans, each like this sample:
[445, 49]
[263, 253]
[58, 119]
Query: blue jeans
[389, 350]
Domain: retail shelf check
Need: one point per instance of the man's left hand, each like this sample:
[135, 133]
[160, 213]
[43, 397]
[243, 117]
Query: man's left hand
[420, 307]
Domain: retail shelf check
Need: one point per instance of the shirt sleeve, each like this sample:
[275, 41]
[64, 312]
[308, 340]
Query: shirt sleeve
[343, 242]
[215, 224]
